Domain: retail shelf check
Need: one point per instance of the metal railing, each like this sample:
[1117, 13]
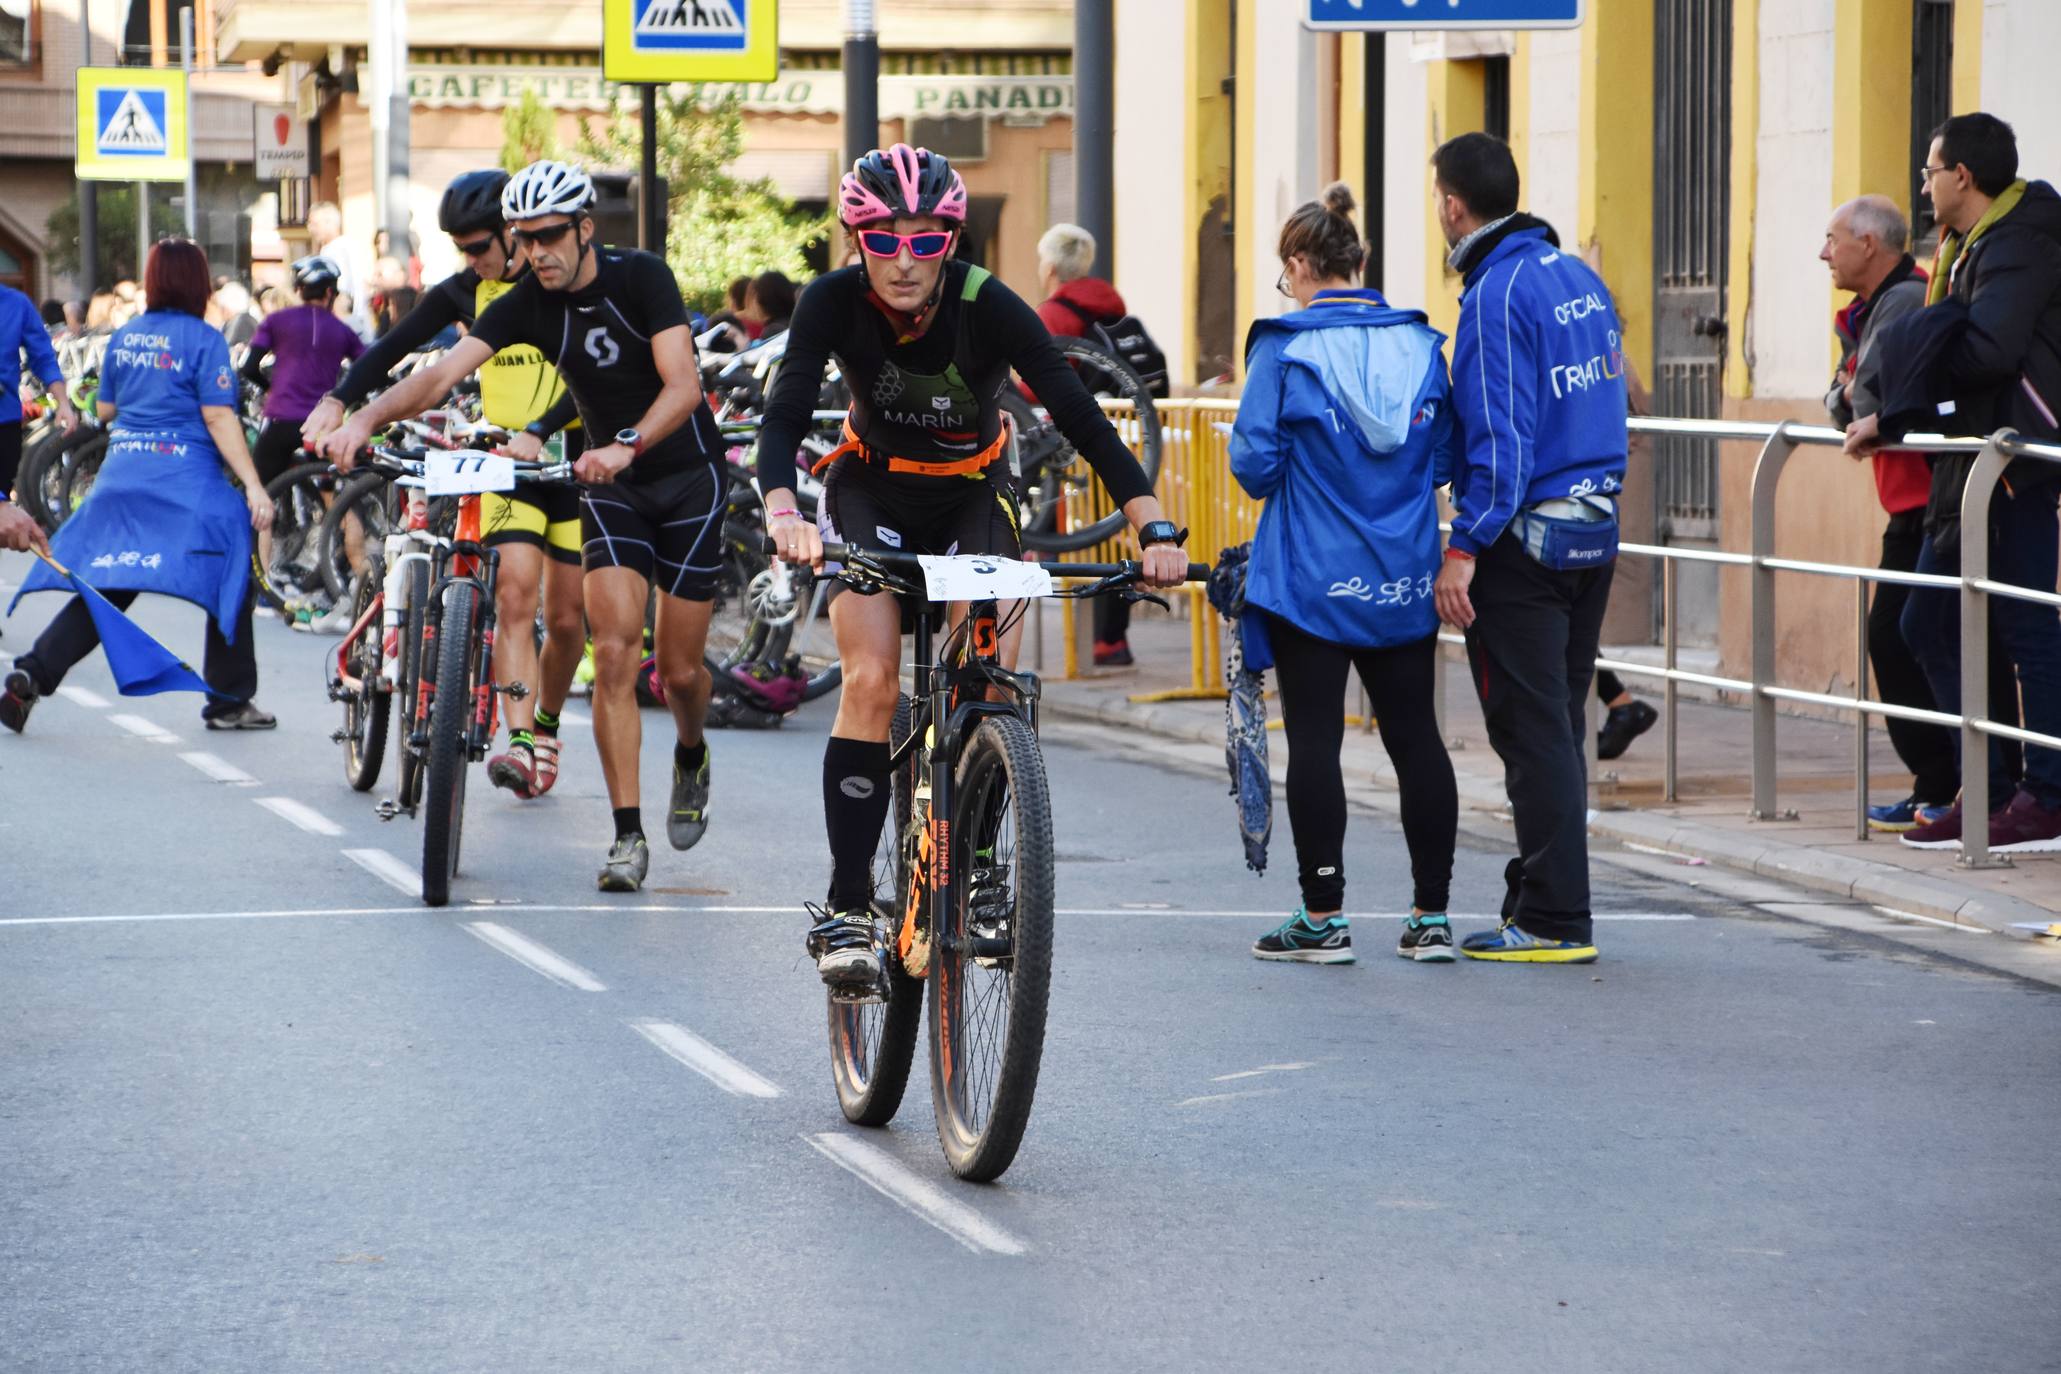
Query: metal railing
[1196, 487]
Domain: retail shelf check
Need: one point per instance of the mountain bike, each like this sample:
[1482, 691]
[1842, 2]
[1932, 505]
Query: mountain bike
[965, 867]
[434, 594]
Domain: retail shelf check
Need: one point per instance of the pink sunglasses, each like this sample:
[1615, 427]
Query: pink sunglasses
[884, 243]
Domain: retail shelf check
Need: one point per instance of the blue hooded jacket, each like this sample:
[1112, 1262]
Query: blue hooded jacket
[1539, 383]
[1345, 429]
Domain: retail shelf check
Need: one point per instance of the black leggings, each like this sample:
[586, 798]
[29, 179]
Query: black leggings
[1310, 674]
[277, 448]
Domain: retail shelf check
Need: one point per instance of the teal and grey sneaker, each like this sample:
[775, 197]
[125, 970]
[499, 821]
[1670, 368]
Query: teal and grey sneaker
[1297, 940]
[1427, 938]
[629, 859]
[687, 817]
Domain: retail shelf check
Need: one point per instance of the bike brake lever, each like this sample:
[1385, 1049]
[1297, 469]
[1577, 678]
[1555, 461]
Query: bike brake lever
[1132, 594]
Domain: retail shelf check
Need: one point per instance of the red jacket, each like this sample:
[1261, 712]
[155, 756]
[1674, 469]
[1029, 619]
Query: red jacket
[1078, 304]
[1903, 479]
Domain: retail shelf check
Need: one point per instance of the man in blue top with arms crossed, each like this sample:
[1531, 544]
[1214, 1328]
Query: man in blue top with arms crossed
[1539, 389]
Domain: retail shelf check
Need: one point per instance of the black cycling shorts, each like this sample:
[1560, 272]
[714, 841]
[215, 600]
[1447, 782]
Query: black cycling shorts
[867, 507]
[669, 529]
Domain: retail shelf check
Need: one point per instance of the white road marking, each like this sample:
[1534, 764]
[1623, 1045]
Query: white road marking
[294, 813]
[387, 869]
[916, 1195]
[219, 768]
[535, 957]
[1894, 914]
[1208, 1098]
[209, 916]
[1262, 1070]
[145, 729]
[705, 1059]
[571, 717]
[91, 700]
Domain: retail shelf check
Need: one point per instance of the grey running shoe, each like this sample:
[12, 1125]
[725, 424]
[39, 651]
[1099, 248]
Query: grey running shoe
[687, 817]
[629, 859]
[243, 717]
[842, 946]
[1428, 939]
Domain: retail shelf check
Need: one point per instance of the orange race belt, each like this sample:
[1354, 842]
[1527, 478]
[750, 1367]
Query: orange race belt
[929, 467]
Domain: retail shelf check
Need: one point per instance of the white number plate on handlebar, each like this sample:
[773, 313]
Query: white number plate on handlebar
[462, 474]
[977, 577]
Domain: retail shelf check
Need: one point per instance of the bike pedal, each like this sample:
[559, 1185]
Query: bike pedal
[387, 809]
[513, 689]
[339, 736]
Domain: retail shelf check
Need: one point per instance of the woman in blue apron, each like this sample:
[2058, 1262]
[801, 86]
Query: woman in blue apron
[162, 517]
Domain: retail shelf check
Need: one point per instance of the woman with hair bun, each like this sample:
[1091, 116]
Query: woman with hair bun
[1345, 430]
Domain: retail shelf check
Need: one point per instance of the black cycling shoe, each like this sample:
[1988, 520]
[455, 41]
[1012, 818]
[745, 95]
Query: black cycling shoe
[846, 960]
[1623, 725]
[17, 699]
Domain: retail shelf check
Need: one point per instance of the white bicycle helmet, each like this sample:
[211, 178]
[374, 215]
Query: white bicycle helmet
[547, 188]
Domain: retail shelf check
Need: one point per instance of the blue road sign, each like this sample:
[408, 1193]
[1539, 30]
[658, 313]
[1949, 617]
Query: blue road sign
[690, 25]
[131, 123]
[1442, 14]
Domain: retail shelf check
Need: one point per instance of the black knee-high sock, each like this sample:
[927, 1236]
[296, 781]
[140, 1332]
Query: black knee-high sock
[855, 798]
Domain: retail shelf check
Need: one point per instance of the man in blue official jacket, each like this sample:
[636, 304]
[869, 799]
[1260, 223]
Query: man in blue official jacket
[1539, 391]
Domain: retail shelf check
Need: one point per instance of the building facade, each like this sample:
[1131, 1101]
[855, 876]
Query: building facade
[1694, 150]
[987, 81]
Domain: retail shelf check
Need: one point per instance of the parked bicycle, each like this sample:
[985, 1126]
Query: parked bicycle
[964, 877]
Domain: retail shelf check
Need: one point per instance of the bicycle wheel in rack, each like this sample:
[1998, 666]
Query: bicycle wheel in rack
[873, 1043]
[1049, 467]
[366, 710]
[991, 974]
[415, 661]
[356, 523]
[291, 562]
[450, 722]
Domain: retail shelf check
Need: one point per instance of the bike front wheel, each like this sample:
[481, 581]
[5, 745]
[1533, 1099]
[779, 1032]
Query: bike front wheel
[366, 709]
[450, 729]
[873, 1043]
[991, 974]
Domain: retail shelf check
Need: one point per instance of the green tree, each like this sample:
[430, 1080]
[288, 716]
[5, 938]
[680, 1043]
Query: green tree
[115, 255]
[719, 226]
[529, 133]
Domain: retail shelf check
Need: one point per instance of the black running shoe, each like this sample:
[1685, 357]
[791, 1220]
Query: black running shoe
[244, 716]
[842, 946]
[18, 695]
[687, 817]
[1623, 725]
[1302, 941]
[1427, 939]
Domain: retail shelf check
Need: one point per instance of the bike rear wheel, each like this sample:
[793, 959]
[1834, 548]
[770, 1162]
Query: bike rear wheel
[357, 522]
[81, 469]
[991, 974]
[366, 710]
[450, 728]
[1051, 467]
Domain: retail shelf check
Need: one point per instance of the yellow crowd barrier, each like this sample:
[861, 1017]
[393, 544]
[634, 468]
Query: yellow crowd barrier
[1196, 488]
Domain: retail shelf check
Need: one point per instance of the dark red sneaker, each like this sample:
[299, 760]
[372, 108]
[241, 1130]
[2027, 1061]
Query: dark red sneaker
[2025, 827]
[1116, 655]
[1944, 833]
[17, 697]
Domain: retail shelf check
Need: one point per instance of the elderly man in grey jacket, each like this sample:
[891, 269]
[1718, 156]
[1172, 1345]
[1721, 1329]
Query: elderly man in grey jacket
[1865, 246]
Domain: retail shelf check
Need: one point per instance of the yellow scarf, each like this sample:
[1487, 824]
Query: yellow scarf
[1952, 245]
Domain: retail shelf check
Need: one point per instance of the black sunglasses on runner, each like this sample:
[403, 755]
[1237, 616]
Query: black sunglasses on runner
[543, 238]
[477, 246]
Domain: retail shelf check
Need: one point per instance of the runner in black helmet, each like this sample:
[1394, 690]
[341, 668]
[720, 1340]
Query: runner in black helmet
[613, 324]
[536, 527]
[927, 344]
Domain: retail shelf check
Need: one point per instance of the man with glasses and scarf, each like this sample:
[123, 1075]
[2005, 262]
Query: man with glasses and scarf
[612, 323]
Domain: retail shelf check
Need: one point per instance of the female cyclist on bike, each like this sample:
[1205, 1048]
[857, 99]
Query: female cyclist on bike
[927, 344]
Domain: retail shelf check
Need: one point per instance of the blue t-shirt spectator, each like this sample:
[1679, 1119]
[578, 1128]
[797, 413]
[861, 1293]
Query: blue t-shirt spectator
[160, 369]
[22, 331]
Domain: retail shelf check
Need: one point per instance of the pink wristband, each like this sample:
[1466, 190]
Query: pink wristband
[776, 514]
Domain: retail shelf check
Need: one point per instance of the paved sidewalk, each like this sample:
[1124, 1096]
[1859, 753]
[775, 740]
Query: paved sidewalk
[1709, 822]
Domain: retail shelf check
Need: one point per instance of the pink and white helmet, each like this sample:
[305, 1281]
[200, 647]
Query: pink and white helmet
[897, 182]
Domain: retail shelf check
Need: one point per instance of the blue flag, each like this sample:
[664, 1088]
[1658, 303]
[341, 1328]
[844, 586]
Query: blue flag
[141, 666]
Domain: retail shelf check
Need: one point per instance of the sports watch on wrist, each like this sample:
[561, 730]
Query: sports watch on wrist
[1161, 532]
[631, 440]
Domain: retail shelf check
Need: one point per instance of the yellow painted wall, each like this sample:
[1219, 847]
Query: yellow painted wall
[1616, 218]
[1967, 96]
[1457, 94]
[1245, 74]
[1745, 174]
[1352, 119]
[1209, 59]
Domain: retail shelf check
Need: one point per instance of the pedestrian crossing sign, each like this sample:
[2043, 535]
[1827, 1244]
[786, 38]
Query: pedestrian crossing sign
[131, 124]
[657, 41]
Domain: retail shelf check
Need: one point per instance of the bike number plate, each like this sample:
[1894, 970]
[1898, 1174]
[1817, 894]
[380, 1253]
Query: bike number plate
[462, 474]
[977, 577]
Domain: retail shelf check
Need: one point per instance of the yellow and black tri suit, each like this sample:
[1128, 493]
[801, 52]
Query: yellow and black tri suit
[518, 390]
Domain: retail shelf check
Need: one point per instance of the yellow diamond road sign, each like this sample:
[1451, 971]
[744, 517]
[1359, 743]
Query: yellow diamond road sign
[690, 40]
[131, 124]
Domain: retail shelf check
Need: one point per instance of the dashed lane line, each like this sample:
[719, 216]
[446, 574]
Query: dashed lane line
[218, 768]
[1208, 1099]
[536, 957]
[705, 1059]
[1263, 1070]
[387, 869]
[295, 813]
[914, 1194]
[145, 729]
[92, 701]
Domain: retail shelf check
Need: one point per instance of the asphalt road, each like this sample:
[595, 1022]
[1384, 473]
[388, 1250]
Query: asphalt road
[259, 1110]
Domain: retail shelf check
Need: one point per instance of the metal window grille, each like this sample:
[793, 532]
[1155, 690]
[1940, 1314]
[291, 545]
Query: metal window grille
[1692, 209]
[1932, 97]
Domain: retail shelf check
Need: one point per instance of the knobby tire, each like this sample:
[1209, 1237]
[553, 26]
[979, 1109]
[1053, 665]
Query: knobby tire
[450, 728]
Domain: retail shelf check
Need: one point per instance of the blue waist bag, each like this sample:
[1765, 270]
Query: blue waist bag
[1569, 534]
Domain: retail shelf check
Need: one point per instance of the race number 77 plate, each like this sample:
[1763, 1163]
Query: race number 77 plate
[977, 577]
[462, 474]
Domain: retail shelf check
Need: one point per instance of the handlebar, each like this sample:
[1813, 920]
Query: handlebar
[889, 560]
[389, 461]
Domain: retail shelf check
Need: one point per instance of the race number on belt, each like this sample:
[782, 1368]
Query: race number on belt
[977, 577]
[462, 474]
